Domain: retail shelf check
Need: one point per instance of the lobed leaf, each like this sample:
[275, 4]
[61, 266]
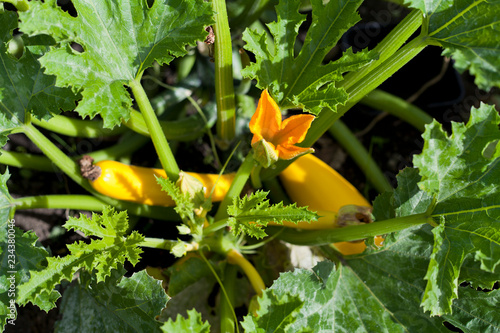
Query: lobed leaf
[118, 304]
[19, 252]
[120, 39]
[102, 255]
[469, 32]
[252, 213]
[24, 89]
[461, 173]
[302, 80]
[274, 315]
[193, 323]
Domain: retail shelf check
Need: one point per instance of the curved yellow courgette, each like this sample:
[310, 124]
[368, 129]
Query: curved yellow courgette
[138, 184]
[311, 182]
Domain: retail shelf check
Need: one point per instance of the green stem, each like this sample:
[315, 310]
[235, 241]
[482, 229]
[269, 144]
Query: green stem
[383, 101]
[65, 163]
[226, 304]
[165, 155]
[352, 233]
[130, 142]
[357, 151]
[72, 170]
[357, 91]
[25, 160]
[87, 202]
[276, 191]
[388, 46]
[224, 89]
[215, 226]
[158, 243]
[77, 127]
[185, 129]
[240, 179]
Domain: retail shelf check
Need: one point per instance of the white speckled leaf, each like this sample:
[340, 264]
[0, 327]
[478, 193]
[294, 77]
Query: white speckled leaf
[120, 39]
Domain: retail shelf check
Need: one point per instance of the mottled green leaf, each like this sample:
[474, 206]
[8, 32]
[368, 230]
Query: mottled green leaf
[476, 311]
[469, 30]
[118, 304]
[274, 315]
[462, 175]
[120, 39]
[302, 80]
[24, 88]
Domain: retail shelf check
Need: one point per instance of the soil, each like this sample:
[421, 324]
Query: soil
[391, 141]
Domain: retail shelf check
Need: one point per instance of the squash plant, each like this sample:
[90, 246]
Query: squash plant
[438, 264]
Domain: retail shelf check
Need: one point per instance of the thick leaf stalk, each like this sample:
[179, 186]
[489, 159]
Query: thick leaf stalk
[224, 89]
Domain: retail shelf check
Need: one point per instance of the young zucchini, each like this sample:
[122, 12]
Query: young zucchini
[138, 184]
[311, 182]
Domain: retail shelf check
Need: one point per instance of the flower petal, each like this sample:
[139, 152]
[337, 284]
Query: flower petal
[294, 129]
[287, 152]
[266, 120]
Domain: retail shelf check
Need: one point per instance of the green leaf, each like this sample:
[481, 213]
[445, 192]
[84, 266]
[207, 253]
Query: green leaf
[302, 80]
[19, 252]
[118, 304]
[472, 273]
[102, 255]
[337, 299]
[193, 323]
[120, 39]
[184, 206]
[399, 268]
[24, 88]
[462, 176]
[469, 32]
[184, 275]
[476, 311]
[252, 213]
[274, 315]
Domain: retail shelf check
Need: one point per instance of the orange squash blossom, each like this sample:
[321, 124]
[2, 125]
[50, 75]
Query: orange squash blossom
[276, 138]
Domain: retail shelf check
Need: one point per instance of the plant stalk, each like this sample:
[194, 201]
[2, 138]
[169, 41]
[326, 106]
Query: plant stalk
[388, 46]
[224, 89]
[227, 322]
[65, 163]
[88, 202]
[240, 179]
[236, 258]
[383, 101]
[165, 154]
[356, 92]
[77, 127]
[351, 233]
[357, 151]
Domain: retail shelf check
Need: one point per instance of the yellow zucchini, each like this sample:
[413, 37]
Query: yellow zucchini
[311, 182]
[138, 184]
